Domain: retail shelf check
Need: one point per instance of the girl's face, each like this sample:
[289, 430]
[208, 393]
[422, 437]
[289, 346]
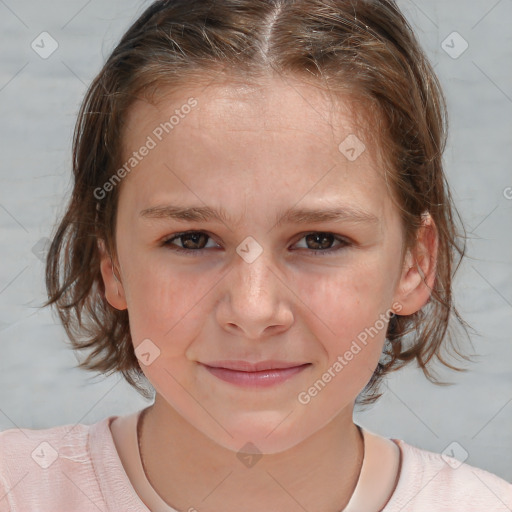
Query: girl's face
[295, 257]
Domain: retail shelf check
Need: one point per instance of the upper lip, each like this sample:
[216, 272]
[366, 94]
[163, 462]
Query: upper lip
[246, 366]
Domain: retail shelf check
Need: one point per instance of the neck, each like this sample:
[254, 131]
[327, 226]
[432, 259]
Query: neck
[189, 470]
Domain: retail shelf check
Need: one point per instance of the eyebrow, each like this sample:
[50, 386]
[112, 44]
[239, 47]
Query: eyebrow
[292, 216]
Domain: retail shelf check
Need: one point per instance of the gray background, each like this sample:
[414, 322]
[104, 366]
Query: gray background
[39, 99]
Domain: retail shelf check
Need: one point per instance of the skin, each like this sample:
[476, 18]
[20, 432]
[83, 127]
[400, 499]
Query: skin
[255, 151]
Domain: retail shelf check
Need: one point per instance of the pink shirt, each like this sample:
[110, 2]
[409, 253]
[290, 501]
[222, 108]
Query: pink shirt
[78, 468]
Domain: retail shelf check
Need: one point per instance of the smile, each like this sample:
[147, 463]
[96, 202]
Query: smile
[255, 378]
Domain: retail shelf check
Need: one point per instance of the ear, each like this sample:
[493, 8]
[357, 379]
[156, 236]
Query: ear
[114, 291]
[419, 269]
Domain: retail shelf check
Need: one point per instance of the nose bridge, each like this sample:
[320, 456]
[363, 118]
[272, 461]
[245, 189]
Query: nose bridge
[254, 277]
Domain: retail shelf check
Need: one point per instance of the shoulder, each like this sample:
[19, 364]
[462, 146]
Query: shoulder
[433, 481]
[51, 465]
[13, 438]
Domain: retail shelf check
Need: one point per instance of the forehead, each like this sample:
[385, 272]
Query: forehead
[280, 136]
[271, 104]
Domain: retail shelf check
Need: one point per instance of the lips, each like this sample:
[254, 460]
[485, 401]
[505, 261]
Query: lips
[245, 366]
[260, 375]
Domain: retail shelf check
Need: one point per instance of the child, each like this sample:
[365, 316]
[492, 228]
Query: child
[259, 231]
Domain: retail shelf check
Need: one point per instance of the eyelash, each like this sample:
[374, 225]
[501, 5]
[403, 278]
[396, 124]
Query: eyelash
[316, 252]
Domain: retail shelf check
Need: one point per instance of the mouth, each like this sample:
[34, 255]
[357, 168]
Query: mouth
[261, 374]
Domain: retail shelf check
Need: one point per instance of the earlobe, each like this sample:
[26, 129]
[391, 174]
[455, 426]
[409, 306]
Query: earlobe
[419, 269]
[114, 291]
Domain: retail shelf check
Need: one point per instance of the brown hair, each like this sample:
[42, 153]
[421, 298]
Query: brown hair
[364, 48]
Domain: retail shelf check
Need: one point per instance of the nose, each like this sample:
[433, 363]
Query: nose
[256, 300]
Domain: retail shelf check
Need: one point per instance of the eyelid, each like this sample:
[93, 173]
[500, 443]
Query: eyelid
[344, 242]
[167, 239]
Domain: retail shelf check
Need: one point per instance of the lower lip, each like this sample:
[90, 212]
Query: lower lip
[261, 379]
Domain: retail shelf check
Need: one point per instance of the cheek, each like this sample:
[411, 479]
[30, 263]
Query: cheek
[352, 330]
[166, 305]
[348, 313]
[348, 299]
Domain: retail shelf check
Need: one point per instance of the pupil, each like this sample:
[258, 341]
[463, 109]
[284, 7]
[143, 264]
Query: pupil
[318, 238]
[192, 236]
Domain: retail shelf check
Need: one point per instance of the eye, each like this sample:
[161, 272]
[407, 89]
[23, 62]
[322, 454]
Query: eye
[319, 243]
[192, 241]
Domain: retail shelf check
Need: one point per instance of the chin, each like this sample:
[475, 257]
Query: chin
[254, 442]
[260, 432]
